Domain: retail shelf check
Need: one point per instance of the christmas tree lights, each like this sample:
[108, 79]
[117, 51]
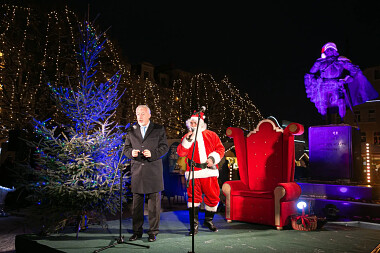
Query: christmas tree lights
[79, 164]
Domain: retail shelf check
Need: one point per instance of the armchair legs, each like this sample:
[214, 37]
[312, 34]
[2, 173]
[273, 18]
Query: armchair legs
[226, 188]
[279, 192]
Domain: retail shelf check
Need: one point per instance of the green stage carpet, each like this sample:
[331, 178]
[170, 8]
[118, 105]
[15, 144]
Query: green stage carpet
[232, 237]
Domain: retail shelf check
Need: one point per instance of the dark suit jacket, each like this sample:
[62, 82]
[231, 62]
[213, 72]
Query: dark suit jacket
[147, 173]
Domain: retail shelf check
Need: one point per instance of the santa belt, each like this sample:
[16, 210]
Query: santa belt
[198, 165]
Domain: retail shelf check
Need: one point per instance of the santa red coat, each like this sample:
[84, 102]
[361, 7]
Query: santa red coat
[208, 145]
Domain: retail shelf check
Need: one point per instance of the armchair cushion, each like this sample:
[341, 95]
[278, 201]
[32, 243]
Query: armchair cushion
[253, 194]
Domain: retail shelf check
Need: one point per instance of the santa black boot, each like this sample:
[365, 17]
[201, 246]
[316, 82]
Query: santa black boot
[194, 223]
[209, 216]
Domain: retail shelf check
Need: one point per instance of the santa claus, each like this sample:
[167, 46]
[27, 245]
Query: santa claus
[205, 158]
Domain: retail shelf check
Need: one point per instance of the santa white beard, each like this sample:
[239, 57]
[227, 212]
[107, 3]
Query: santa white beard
[201, 128]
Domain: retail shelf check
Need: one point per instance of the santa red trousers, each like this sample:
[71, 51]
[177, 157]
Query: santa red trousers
[209, 187]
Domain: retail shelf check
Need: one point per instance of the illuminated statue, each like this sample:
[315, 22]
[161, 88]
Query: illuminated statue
[334, 81]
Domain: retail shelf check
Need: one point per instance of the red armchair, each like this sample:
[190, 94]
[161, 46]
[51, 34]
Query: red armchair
[266, 192]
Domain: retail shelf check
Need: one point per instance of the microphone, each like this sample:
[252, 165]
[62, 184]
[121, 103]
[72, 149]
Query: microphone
[203, 108]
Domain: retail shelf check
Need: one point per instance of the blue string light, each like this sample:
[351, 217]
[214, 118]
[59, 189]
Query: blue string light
[85, 157]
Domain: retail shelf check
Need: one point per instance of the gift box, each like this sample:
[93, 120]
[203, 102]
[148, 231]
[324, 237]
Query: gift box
[304, 222]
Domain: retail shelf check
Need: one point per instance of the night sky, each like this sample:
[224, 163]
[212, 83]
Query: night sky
[264, 48]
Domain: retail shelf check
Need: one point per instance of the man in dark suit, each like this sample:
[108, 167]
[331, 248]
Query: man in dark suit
[145, 145]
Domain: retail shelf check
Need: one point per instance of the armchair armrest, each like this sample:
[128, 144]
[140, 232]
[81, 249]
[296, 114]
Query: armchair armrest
[235, 185]
[227, 188]
[292, 191]
[282, 193]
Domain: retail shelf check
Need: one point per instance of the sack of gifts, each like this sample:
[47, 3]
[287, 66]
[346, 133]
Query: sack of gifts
[304, 222]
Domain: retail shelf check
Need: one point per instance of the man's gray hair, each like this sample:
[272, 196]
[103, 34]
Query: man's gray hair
[143, 106]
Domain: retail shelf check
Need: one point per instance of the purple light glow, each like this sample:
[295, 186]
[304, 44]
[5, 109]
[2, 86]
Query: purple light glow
[326, 80]
[329, 152]
[337, 191]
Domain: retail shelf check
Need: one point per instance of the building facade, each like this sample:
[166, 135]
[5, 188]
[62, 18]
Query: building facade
[367, 118]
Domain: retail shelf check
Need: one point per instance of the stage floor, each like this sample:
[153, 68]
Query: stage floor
[231, 237]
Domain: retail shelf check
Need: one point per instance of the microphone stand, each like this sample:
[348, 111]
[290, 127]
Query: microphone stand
[120, 239]
[191, 174]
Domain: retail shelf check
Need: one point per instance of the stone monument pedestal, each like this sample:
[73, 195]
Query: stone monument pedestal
[335, 153]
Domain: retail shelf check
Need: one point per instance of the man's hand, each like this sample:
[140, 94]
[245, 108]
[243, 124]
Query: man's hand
[135, 152]
[189, 135]
[210, 162]
[147, 153]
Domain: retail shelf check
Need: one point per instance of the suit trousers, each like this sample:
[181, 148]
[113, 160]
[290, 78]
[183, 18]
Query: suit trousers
[154, 211]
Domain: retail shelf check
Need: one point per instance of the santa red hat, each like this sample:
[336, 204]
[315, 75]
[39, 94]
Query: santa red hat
[326, 46]
[194, 117]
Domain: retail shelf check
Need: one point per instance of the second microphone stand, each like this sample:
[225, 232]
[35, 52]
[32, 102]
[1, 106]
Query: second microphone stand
[191, 175]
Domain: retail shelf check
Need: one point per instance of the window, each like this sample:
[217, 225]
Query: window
[363, 137]
[164, 82]
[376, 138]
[146, 75]
[357, 115]
[371, 115]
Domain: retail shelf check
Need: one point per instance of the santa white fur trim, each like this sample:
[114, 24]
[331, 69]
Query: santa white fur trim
[211, 208]
[190, 204]
[201, 148]
[205, 173]
[187, 144]
[216, 157]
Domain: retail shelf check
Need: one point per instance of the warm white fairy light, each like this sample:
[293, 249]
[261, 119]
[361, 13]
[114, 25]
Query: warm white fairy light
[230, 162]
[229, 107]
[11, 105]
[58, 44]
[221, 97]
[223, 113]
[20, 99]
[26, 81]
[115, 54]
[155, 93]
[175, 112]
[68, 14]
[44, 59]
[66, 23]
[368, 163]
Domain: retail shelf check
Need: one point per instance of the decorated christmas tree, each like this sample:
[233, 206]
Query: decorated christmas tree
[78, 165]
